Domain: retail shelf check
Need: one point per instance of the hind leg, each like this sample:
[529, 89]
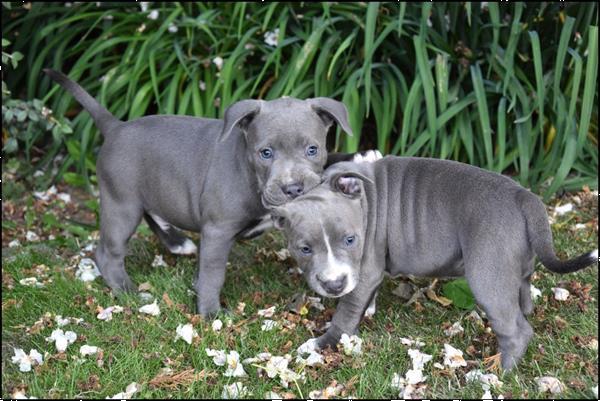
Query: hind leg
[170, 237]
[525, 291]
[497, 291]
[118, 221]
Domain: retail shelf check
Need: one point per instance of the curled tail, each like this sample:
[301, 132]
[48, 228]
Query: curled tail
[103, 118]
[540, 237]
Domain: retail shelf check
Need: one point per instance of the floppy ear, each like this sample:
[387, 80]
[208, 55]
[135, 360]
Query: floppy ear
[279, 216]
[239, 114]
[349, 183]
[331, 110]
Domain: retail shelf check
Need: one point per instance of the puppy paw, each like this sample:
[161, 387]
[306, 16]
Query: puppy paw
[368, 156]
[187, 248]
[370, 310]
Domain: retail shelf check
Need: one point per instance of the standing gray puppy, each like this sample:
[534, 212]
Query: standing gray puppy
[205, 175]
[424, 217]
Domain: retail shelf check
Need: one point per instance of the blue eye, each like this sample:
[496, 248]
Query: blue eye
[349, 240]
[266, 153]
[312, 150]
[306, 250]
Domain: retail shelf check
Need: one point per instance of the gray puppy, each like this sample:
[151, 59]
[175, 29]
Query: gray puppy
[204, 175]
[423, 217]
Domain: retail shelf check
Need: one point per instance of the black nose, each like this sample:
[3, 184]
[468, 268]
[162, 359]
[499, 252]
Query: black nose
[293, 190]
[335, 286]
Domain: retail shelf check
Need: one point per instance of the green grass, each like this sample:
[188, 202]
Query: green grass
[136, 347]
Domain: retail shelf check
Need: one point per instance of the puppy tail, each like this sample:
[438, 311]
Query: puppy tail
[540, 237]
[102, 117]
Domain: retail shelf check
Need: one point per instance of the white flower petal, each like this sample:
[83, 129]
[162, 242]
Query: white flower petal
[549, 384]
[64, 197]
[31, 236]
[159, 261]
[566, 208]
[218, 61]
[217, 325]
[411, 342]
[31, 282]
[419, 359]
[127, 394]
[62, 339]
[219, 356]
[87, 270]
[186, 333]
[266, 312]
[271, 38]
[234, 366]
[398, 382]
[308, 347]
[153, 15]
[453, 357]
[268, 325]
[415, 376]
[453, 330]
[151, 309]
[88, 350]
[560, 294]
[352, 344]
[234, 391]
[25, 361]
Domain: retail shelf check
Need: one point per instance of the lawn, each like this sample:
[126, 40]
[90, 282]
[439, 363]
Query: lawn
[139, 348]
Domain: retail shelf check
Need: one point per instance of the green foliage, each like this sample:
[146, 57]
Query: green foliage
[510, 87]
[460, 293]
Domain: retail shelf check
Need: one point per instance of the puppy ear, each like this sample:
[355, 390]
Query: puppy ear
[280, 217]
[350, 184]
[331, 110]
[239, 114]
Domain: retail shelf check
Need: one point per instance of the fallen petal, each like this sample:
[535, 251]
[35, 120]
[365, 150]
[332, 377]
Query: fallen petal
[560, 294]
[217, 325]
[150, 309]
[550, 384]
[453, 357]
[186, 333]
[88, 350]
[266, 312]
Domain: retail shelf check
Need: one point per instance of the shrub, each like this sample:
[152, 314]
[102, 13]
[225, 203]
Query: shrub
[510, 86]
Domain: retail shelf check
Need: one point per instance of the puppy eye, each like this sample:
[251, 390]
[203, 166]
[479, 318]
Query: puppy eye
[312, 150]
[349, 240]
[266, 153]
[306, 250]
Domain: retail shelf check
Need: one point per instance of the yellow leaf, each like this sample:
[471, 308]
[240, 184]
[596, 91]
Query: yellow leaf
[550, 135]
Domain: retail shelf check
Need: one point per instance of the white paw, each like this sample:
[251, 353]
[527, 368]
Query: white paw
[370, 310]
[367, 157]
[188, 248]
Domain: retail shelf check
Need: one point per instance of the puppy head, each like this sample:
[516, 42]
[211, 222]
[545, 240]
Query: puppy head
[286, 142]
[325, 232]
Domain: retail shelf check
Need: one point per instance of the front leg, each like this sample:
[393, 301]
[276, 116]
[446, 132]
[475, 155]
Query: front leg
[215, 244]
[351, 308]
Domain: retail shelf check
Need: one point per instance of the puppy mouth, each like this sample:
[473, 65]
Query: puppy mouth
[323, 292]
[270, 201]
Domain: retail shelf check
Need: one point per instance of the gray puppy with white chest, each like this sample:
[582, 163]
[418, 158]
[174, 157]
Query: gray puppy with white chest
[205, 175]
[423, 217]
